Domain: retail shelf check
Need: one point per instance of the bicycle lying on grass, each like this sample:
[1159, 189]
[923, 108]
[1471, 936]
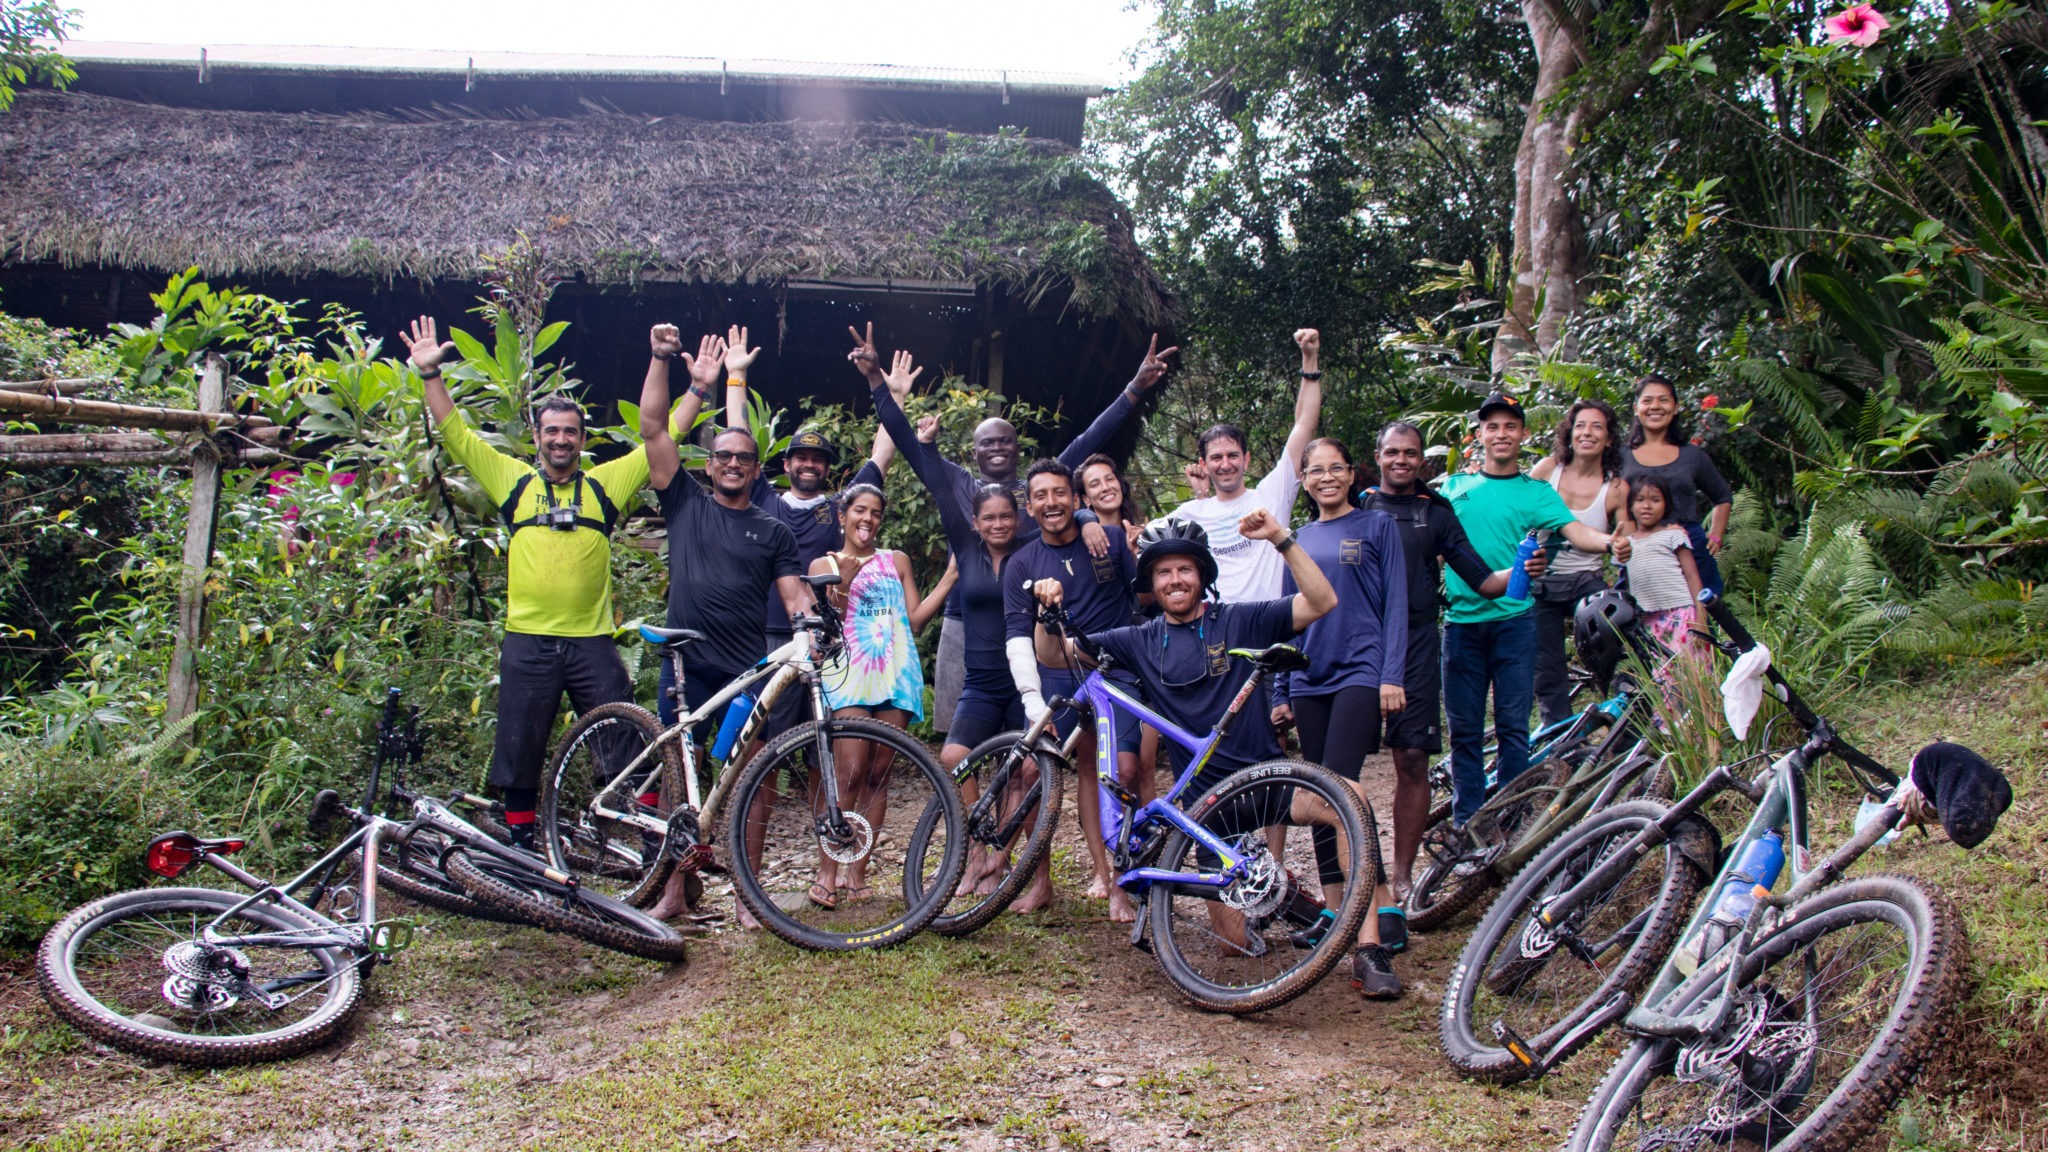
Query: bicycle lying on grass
[1790, 1020]
[1234, 927]
[609, 807]
[205, 976]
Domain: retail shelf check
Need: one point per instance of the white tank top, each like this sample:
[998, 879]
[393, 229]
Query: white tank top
[1594, 516]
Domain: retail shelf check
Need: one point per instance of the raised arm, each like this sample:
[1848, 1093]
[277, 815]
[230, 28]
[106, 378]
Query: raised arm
[902, 376]
[1308, 402]
[423, 346]
[948, 483]
[1097, 435]
[738, 358]
[932, 602]
[1316, 598]
[1590, 540]
[657, 423]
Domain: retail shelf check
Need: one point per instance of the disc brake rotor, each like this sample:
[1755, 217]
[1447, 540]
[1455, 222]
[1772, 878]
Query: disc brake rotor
[852, 847]
[1263, 886]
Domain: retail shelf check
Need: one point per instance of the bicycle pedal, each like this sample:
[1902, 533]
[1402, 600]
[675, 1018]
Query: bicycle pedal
[386, 937]
[1513, 1043]
[693, 859]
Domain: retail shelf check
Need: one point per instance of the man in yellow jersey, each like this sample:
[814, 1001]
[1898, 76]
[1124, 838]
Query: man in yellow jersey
[558, 619]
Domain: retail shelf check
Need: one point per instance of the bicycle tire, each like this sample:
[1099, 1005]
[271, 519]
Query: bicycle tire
[1509, 952]
[977, 912]
[1237, 813]
[773, 844]
[607, 856]
[80, 962]
[1878, 1057]
[592, 916]
[1453, 880]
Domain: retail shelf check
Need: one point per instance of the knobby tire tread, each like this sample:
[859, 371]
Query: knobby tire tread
[604, 927]
[75, 1007]
[644, 892]
[1036, 847]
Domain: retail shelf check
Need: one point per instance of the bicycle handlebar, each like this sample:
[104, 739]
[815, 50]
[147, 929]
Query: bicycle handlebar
[1821, 735]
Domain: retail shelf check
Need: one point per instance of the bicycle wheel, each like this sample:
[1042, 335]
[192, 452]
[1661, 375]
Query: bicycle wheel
[1018, 793]
[1834, 1014]
[132, 970]
[1259, 943]
[779, 836]
[1456, 870]
[616, 859]
[1541, 982]
[527, 893]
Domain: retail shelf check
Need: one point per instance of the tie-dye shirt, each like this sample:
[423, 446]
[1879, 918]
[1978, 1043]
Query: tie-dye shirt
[880, 668]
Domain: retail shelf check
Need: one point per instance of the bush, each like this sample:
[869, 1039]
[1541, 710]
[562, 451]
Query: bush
[75, 828]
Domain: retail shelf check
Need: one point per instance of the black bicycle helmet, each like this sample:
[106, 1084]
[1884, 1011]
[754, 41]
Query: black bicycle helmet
[1174, 536]
[1600, 630]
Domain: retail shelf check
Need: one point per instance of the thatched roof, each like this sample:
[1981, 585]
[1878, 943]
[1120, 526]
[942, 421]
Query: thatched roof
[88, 179]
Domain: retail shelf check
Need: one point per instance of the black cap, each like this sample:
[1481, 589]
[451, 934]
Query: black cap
[812, 440]
[1500, 402]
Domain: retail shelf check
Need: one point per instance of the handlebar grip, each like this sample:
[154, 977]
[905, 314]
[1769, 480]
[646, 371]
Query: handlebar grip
[1718, 611]
[391, 696]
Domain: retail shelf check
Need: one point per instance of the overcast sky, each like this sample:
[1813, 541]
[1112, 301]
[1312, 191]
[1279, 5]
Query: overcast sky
[1093, 37]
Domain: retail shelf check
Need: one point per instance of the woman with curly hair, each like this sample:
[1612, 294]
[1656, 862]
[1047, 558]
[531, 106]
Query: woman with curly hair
[1584, 466]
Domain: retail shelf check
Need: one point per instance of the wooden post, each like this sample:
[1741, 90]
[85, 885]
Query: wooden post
[183, 697]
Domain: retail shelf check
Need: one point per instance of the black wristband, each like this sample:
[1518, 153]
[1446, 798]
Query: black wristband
[1285, 543]
[1312, 375]
[433, 373]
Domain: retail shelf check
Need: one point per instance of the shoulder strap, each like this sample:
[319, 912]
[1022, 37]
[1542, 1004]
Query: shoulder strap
[508, 512]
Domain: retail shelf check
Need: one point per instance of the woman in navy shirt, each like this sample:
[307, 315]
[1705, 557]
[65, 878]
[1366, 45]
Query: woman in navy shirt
[1358, 658]
[1657, 446]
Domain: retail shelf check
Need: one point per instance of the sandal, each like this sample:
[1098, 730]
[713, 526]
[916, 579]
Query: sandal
[859, 893]
[822, 896]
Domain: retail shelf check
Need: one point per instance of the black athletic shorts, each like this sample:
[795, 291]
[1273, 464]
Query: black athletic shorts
[1420, 724]
[533, 673]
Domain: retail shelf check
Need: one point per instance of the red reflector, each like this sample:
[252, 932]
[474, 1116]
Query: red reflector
[171, 854]
[229, 847]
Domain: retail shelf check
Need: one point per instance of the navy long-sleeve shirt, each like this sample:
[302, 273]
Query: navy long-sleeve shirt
[1363, 642]
[954, 486]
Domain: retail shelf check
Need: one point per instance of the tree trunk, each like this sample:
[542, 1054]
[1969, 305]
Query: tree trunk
[1549, 231]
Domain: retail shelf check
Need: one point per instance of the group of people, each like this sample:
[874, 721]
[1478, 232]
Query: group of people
[1393, 642]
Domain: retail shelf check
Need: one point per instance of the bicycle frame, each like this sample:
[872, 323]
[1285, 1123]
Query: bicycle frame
[780, 668]
[1133, 836]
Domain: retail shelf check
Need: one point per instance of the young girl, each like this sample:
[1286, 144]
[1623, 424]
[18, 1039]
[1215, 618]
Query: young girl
[1662, 574]
[878, 673]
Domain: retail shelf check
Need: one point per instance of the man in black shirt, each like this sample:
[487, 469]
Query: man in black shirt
[1431, 537]
[724, 555]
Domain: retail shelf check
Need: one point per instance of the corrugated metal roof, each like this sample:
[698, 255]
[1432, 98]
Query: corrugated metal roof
[572, 65]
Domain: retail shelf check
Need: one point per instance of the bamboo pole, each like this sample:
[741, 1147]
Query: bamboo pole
[183, 696]
[104, 412]
[172, 454]
[64, 387]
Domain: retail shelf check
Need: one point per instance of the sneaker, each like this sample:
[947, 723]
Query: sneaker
[1372, 973]
[1393, 929]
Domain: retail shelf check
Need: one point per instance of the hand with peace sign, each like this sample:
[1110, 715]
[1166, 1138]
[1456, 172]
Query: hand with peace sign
[1153, 370]
[864, 356]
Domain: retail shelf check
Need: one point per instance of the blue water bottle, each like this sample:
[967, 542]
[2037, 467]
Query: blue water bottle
[736, 714]
[1518, 575]
[1760, 866]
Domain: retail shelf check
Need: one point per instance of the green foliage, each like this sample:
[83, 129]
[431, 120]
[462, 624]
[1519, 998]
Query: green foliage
[75, 828]
[22, 60]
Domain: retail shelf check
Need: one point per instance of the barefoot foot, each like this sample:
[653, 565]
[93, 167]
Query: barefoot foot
[1098, 889]
[1121, 910]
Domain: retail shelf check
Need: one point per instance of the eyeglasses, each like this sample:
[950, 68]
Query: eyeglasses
[727, 456]
[1322, 470]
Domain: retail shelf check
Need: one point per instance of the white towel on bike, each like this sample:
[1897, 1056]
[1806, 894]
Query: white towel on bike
[1742, 693]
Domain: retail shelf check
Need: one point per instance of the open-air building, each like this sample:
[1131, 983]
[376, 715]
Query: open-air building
[947, 206]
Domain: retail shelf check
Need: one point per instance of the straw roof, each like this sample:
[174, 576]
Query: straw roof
[87, 179]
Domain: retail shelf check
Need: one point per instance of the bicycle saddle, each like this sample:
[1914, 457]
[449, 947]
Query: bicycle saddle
[669, 637]
[1278, 658]
[821, 580]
